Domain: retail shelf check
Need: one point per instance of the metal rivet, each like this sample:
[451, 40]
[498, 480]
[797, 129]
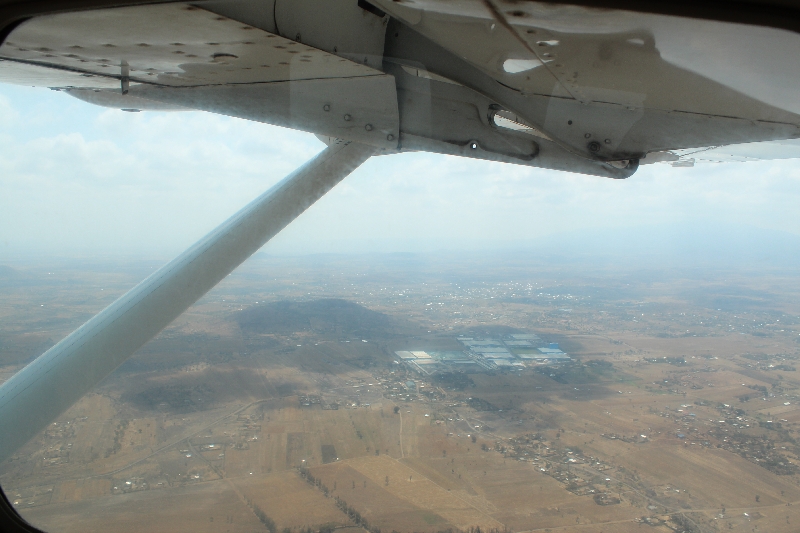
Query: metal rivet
[594, 146]
[607, 141]
[587, 135]
[473, 145]
[569, 122]
[326, 107]
[368, 127]
[347, 118]
[390, 137]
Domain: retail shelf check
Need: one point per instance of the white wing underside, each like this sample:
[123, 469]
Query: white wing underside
[593, 89]
[739, 153]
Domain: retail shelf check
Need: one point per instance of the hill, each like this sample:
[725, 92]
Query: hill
[326, 316]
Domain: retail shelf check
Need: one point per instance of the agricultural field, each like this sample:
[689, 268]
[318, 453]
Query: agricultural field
[277, 404]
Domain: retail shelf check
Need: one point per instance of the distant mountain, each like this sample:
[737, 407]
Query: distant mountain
[681, 243]
[325, 316]
[6, 272]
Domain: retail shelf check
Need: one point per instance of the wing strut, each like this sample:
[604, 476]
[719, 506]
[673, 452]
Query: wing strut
[51, 383]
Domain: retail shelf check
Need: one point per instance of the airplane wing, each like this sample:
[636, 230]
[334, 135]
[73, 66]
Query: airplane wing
[556, 86]
[734, 153]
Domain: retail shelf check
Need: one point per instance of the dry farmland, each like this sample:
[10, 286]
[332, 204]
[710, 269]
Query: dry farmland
[279, 405]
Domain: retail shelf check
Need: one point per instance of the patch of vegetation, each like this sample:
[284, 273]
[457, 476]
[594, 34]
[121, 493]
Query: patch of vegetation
[453, 380]
[481, 405]
[326, 316]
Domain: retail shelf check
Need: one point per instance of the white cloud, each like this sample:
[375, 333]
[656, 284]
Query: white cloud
[8, 115]
[78, 177]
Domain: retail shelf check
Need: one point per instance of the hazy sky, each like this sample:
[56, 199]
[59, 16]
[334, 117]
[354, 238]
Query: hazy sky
[84, 179]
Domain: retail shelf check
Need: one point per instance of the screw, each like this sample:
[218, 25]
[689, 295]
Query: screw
[594, 146]
[347, 118]
[390, 137]
[587, 135]
[326, 107]
[368, 127]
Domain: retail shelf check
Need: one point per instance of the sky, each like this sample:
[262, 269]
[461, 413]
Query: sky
[77, 179]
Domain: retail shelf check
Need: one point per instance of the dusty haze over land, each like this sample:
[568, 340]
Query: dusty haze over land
[279, 403]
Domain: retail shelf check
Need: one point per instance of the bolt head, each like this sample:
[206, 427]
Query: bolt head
[326, 107]
[347, 118]
[368, 127]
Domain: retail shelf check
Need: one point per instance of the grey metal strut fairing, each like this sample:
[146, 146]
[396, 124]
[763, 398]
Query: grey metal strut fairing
[50, 384]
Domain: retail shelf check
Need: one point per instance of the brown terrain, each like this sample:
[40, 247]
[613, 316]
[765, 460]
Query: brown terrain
[277, 404]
